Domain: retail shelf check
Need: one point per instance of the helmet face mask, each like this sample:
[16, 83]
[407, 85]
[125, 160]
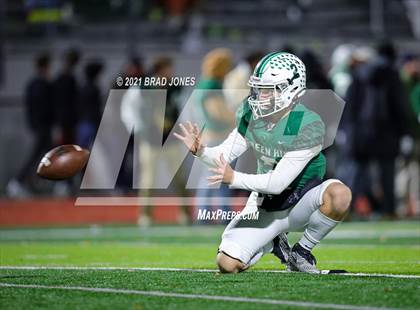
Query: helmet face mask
[267, 100]
[278, 80]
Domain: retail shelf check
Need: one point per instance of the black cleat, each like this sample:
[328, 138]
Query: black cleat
[281, 248]
[302, 260]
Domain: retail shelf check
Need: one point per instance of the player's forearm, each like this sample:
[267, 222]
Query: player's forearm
[210, 154]
[277, 180]
[267, 183]
[231, 148]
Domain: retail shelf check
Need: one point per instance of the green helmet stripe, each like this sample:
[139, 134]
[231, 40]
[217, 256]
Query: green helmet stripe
[264, 62]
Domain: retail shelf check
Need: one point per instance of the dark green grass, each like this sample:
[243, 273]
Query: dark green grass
[400, 293]
[392, 248]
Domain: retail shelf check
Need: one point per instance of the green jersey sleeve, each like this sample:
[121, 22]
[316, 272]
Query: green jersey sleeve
[243, 117]
[310, 134]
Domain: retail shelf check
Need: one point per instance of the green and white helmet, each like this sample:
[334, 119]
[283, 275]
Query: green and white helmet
[278, 80]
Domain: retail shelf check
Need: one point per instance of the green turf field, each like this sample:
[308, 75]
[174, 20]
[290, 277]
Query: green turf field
[143, 269]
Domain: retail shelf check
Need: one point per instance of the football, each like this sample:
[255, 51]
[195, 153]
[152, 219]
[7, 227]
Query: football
[63, 162]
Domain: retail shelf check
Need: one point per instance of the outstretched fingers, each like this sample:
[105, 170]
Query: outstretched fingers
[184, 130]
[222, 160]
[178, 136]
[196, 130]
[190, 127]
[215, 179]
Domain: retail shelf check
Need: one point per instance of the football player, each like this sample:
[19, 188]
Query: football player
[288, 190]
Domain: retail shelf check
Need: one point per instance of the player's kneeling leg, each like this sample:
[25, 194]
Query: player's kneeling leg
[228, 264]
[336, 201]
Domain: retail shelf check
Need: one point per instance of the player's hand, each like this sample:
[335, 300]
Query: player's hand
[191, 137]
[223, 172]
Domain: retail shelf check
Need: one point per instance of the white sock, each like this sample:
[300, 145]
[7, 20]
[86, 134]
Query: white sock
[268, 248]
[319, 226]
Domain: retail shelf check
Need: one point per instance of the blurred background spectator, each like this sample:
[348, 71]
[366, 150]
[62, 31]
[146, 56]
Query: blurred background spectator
[140, 107]
[133, 68]
[346, 61]
[339, 73]
[377, 106]
[39, 112]
[90, 105]
[409, 170]
[216, 115]
[235, 84]
[316, 77]
[66, 97]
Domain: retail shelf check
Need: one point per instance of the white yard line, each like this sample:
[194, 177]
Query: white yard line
[302, 304]
[356, 262]
[104, 232]
[401, 276]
